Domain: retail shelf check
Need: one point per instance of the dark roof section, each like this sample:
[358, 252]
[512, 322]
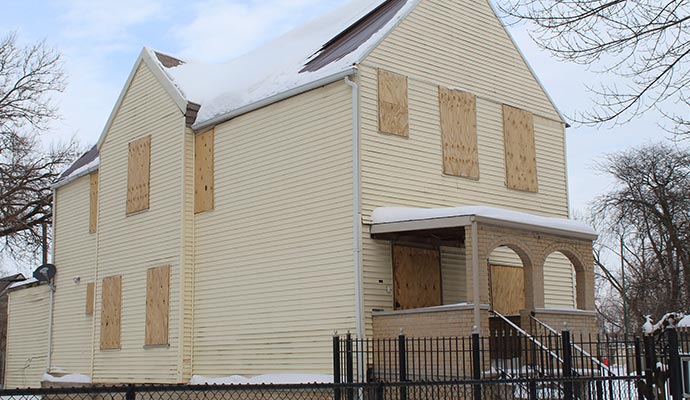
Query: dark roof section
[357, 34]
[7, 281]
[83, 160]
[168, 61]
[191, 113]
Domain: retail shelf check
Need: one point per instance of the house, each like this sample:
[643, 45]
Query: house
[5, 283]
[232, 217]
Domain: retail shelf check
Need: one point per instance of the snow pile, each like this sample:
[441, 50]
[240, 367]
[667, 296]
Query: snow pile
[23, 283]
[274, 68]
[262, 379]
[70, 378]
[384, 215]
[684, 323]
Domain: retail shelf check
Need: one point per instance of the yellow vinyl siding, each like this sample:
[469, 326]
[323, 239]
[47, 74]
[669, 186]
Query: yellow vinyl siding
[187, 291]
[27, 336]
[129, 245]
[75, 256]
[453, 44]
[453, 275]
[274, 260]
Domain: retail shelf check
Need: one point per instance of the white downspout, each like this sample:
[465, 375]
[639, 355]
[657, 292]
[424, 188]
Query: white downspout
[52, 287]
[475, 276]
[357, 212]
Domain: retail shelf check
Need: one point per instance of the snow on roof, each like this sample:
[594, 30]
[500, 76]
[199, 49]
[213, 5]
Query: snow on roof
[88, 162]
[23, 283]
[262, 379]
[385, 215]
[280, 66]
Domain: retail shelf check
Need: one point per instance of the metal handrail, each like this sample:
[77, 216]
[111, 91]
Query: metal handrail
[528, 336]
[578, 348]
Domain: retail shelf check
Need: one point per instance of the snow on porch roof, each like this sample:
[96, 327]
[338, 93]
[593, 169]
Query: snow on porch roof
[398, 219]
[324, 49]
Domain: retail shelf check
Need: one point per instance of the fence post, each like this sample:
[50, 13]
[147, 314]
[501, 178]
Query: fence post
[567, 366]
[131, 393]
[639, 367]
[336, 366]
[675, 375]
[476, 366]
[379, 391]
[349, 372]
[650, 364]
[402, 365]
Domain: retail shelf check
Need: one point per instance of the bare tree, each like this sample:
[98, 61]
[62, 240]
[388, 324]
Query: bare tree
[650, 209]
[28, 77]
[644, 42]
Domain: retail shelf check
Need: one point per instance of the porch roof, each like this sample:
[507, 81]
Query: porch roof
[404, 219]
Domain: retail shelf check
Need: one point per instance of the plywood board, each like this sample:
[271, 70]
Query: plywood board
[89, 298]
[111, 308]
[157, 305]
[138, 174]
[393, 108]
[416, 277]
[507, 289]
[203, 172]
[458, 111]
[93, 202]
[520, 153]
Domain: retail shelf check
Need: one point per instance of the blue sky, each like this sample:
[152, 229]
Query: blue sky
[101, 40]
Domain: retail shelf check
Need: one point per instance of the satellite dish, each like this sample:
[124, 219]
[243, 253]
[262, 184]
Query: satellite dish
[45, 272]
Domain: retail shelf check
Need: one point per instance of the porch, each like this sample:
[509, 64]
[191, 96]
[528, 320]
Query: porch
[492, 297]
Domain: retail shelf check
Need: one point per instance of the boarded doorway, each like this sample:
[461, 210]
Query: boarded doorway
[416, 277]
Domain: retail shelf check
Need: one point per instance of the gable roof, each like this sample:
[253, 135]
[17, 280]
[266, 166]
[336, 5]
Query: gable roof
[315, 54]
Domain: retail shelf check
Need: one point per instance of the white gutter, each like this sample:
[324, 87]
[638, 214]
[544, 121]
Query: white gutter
[275, 98]
[475, 277]
[357, 212]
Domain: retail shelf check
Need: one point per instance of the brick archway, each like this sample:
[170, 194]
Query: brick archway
[584, 274]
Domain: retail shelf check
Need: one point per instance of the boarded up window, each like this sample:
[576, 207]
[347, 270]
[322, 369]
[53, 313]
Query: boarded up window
[157, 298]
[521, 160]
[111, 308]
[459, 132]
[507, 289]
[203, 172]
[89, 298]
[393, 114]
[93, 202]
[139, 164]
[416, 277]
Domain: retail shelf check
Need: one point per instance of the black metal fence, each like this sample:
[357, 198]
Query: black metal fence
[546, 365]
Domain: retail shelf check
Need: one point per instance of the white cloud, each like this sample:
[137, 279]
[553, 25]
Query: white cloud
[221, 30]
[103, 21]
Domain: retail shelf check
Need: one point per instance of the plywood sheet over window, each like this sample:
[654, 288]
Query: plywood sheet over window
[89, 298]
[138, 175]
[203, 172]
[520, 154]
[507, 289]
[459, 132]
[157, 307]
[111, 308]
[393, 109]
[416, 277]
[93, 202]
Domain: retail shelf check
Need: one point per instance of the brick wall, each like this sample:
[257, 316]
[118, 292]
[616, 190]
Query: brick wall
[444, 321]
